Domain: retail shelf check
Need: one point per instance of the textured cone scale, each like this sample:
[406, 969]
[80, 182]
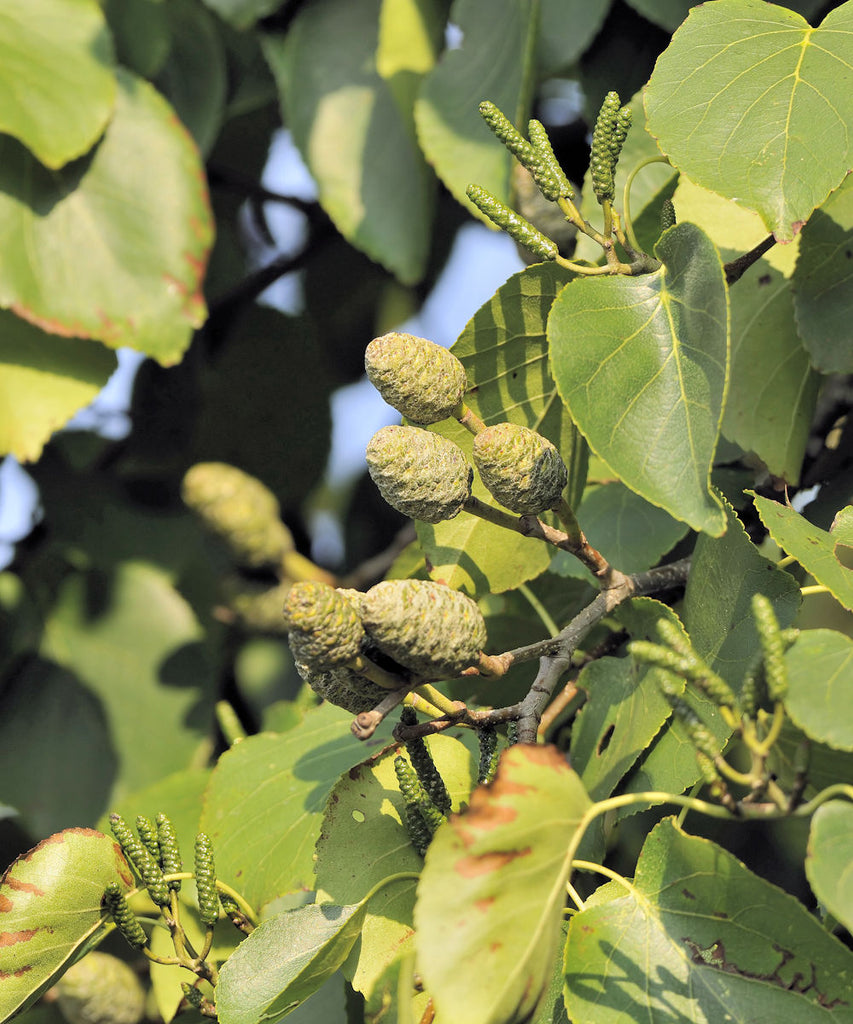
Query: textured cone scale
[100, 989]
[324, 630]
[240, 510]
[520, 468]
[421, 474]
[416, 377]
[427, 627]
[343, 687]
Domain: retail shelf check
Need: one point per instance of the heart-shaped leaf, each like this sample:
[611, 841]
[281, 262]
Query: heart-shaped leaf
[699, 938]
[642, 363]
[750, 101]
[829, 861]
[50, 901]
[57, 84]
[491, 896]
[136, 206]
[820, 686]
[813, 548]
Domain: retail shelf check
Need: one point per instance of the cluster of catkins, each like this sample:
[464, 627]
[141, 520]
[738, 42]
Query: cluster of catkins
[428, 477]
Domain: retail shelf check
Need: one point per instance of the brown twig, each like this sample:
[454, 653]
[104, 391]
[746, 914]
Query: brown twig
[736, 268]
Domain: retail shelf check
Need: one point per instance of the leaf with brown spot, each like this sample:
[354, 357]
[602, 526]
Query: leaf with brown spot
[50, 899]
[499, 869]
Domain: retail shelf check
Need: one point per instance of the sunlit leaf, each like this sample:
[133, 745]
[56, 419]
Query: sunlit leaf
[285, 959]
[491, 896]
[829, 862]
[371, 176]
[50, 899]
[642, 364]
[57, 83]
[698, 937]
[264, 804]
[493, 61]
[820, 686]
[44, 381]
[813, 548]
[751, 102]
[137, 207]
[772, 388]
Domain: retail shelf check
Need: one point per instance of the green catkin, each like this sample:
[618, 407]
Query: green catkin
[699, 734]
[488, 739]
[772, 647]
[230, 905]
[148, 834]
[428, 774]
[512, 734]
[601, 155]
[419, 832]
[519, 229]
[667, 215]
[554, 172]
[621, 127]
[205, 880]
[170, 854]
[508, 134]
[688, 666]
[143, 862]
[424, 765]
[414, 794]
[710, 775]
[116, 905]
[192, 995]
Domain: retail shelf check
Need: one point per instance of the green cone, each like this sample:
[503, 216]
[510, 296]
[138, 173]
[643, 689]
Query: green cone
[240, 510]
[343, 687]
[421, 474]
[521, 469]
[418, 378]
[426, 627]
[100, 989]
[324, 630]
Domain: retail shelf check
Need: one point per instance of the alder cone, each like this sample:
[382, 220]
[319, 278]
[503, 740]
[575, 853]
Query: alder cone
[520, 468]
[428, 628]
[343, 687]
[238, 509]
[419, 473]
[423, 381]
[100, 989]
[324, 629]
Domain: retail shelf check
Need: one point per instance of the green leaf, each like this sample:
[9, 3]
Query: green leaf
[140, 30]
[494, 62]
[669, 14]
[56, 758]
[632, 534]
[133, 640]
[57, 85]
[642, 364]
[194, 79]
[361, 149]
[813, 548]
[409, 38]
[50, 899]
[566, 28]
[491, 896]
[241, 14]
[264, 804]
[363, 841]
[137, 207]
[830, 857]
[820, 686]
[772, 388]
[724, 575]
[44, 381]
[285, 960]
[624, 710]
[823, 283]
[700, 938]
[504, 351]
[747, 101]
